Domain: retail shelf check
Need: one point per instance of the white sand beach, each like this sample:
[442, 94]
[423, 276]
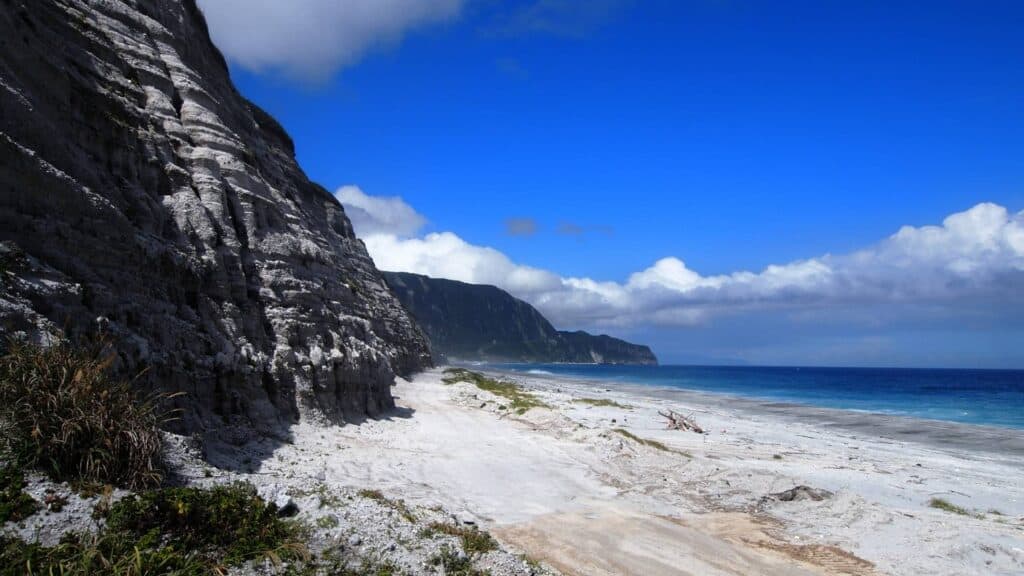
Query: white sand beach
[567, 487]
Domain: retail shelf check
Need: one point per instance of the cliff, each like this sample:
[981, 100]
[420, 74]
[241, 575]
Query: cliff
[142, 197]
[475, 322]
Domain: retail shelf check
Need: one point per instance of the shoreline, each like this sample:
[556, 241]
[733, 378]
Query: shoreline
[587, 480]
[606, 489]
[942, 434]
[980, 397]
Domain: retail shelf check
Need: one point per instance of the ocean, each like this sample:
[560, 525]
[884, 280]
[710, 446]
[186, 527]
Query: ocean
[985, 397]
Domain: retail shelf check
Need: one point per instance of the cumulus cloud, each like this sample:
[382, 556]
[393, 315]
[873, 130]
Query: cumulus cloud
[312, 39]
[375, 215]
[974, 258]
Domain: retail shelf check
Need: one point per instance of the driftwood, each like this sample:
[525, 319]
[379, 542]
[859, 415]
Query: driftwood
[677, 421]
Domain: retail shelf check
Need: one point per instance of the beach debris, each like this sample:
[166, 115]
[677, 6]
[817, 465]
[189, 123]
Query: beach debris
[54, 502]
[795, 494]
[799, 493]
[677, 421]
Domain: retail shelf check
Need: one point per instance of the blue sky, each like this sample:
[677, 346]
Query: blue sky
[729, 135]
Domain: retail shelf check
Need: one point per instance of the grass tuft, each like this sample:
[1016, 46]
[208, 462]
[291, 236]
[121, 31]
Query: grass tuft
[948, 506]
[396, 505]
[339, 562]
[474, 540]
[647, 442]
[61, 413]
[520, 401]
[455, 565]
[602, 402]
[15, 505]
[327, 522]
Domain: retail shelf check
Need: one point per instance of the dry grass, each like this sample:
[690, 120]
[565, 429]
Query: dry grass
[647, 442]
[62, 413]
[397, 505]
[948, 506]
[519, 400]
[601, 402]
[474, 540]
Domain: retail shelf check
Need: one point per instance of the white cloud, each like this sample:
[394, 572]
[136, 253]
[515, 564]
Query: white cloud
[375, 215]
[974, 258]
[312, 39]
[445, 255]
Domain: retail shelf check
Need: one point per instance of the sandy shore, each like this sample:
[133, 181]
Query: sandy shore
[563, 485]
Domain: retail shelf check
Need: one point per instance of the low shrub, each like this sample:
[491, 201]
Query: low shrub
[474, 540]
[62, 413]
[180, 531]
[15, 505]
[96, 555]
[229, 522]
[455, 565]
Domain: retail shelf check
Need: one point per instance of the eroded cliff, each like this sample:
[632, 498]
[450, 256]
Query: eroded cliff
[142, 196]
[479, 322]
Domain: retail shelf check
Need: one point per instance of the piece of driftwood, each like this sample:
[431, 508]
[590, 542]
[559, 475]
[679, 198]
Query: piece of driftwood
[677, 421]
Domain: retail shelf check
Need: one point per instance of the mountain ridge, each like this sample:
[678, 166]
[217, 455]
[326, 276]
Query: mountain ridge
[482, 322]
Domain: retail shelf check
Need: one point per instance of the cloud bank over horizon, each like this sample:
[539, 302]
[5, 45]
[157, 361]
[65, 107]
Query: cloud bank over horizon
[310, 40]
[972, 262]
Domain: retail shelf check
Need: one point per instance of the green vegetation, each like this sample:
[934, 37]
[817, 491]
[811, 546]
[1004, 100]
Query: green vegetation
[534, 565]
[396, 505]
[519, 400]
[366, 568]
[180, 531]
[652, 443]
[61, 413]
[327, 522]
[15, 505]
[777, 456]
[948, 506]
[326, 499]
[454, 564]
[230, 521]
[474, 540]
[342, 562]
[602, 402]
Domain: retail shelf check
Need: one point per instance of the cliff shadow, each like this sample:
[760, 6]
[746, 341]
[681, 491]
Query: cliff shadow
[244, 450]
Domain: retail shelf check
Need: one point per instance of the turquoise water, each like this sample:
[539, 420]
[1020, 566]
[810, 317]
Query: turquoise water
[989, 397]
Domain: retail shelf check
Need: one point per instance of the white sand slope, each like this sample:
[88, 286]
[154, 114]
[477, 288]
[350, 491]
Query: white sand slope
[563, 486]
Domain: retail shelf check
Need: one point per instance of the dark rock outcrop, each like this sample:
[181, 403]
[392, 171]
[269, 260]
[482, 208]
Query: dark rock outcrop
[477, 322]
[141, 195]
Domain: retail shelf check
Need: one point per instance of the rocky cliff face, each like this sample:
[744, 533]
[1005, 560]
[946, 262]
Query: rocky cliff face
[475, 322]
[141, 195]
